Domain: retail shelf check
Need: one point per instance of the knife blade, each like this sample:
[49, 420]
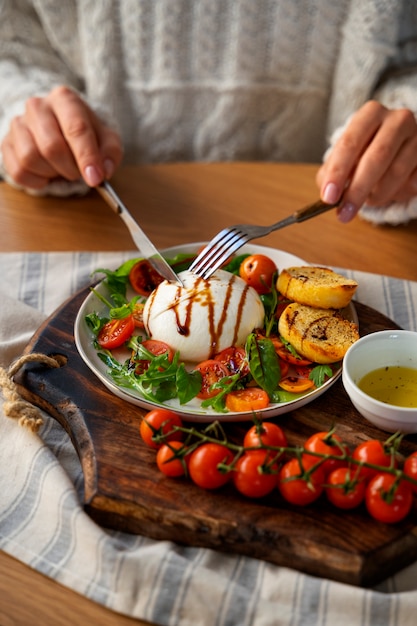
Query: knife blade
[141, 240]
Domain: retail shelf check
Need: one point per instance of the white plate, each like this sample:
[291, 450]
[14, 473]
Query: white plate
[192, 410]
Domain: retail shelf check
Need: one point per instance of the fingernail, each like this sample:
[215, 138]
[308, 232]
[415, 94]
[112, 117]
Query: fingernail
[347, 212]
[92, 176]
[108, 168]
[330, 193]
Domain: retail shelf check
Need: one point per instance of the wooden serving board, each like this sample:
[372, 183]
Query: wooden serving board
[124, 489]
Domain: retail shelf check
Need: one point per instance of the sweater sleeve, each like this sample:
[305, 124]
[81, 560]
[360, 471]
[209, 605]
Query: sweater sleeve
[31, 66]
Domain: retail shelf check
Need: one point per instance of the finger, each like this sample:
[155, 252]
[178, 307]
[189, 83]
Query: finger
[337, 171]
[110, 146]
[48, 136]
[76, 122]
[382, 155]
[23, 177]
[28, 157]
[398, 180]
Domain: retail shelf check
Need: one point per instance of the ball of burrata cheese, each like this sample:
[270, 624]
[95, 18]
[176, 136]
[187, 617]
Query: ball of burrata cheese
[202, 317]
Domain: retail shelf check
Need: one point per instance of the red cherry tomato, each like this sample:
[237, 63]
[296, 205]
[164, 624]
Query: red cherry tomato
[211, 371]
[234, 358]
[387, 501]
[291, 358]
[410, 468]
[116, 332]
[206, 465]
[344, 490]
[373, 452]
[156, 348]
[249, 399]
[265, 433]
[295, 488]
[171, 459]
[144, 278]
[160, 423]
[254, 477]
[258, 271]
[325, 443]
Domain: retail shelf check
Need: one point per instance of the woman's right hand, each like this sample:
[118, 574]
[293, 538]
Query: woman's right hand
[59, 136]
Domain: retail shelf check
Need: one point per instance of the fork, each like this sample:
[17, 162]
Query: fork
[230, 239]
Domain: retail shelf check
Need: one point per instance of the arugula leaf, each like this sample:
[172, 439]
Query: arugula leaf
[225, 384]
[279, 396]
[95, 322]
[188, 384]
[263, 363]
[319, 373]
[270, 302]
[117, 280]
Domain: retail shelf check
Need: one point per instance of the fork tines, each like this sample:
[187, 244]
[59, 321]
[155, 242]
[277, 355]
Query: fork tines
[217, 251]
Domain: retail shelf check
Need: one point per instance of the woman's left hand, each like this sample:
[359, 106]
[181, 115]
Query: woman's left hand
[374, 161]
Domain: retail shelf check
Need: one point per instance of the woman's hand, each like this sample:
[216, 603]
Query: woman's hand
[374, 161]
[59, 136]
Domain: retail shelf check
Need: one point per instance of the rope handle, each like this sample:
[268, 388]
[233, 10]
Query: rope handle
[15, 406]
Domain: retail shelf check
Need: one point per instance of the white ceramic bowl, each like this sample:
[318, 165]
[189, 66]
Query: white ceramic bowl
[379, 349]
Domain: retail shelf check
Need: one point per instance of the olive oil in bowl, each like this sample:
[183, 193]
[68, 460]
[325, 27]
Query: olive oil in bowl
[392, 384]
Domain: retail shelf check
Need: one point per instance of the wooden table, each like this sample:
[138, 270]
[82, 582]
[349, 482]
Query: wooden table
[183, 203]
[175, 204]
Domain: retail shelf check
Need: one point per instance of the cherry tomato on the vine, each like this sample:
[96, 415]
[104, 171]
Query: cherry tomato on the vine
[265, 433]
[386, 500]
[144, 278]
[116, 332]
[297, 488]
[158, 427]
[211, 372]
[254, 476]
[171, 459]
[410, 468]
[208, 465]
[373, 452]
[249, 399]
[325, 443]
[258, 271]
[343, 489]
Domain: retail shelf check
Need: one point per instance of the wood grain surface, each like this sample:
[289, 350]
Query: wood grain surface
[182, 203]
[124, 489]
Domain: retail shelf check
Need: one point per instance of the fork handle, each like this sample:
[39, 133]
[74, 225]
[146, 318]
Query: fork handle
[312, 210]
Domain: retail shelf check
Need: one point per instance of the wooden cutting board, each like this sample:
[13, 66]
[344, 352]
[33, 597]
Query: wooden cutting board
[124, 489]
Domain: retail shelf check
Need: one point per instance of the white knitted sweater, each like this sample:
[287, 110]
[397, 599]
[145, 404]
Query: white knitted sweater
[212, 79]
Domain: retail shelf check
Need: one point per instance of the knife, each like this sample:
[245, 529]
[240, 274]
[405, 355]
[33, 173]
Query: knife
[142, 241]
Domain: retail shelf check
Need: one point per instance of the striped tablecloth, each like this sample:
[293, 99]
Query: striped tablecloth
[43, 524]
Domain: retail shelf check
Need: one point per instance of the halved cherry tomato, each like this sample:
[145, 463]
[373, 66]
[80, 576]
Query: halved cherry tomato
[249, 399]
[234, 358]
[296, 384]
[296, 487]
[284, 367]
[208, 465]
[325, 443]
[254, 476]
[386, 500]
[157, 348]
[373, 452]
[410, 468]
[258, 271]
[211, 371]
[116, 332]
[266, 433]
[288, 356]
[158, 427]
[343, 489]
[144, 278]
[171, 459]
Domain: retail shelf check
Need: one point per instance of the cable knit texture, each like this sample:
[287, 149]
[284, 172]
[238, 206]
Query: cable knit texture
[211, 80]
